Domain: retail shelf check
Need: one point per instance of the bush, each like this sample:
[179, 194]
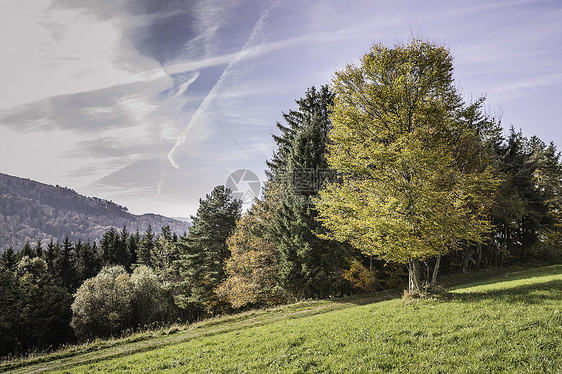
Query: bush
[114, 301]
[103, 305]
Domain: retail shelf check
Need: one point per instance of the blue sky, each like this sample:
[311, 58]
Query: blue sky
[152, 103]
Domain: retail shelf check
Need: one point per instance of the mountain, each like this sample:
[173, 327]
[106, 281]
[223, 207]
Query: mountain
[32, 211]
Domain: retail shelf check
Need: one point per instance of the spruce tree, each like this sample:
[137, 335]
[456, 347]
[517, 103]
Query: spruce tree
[529, 196]
[313, 108]
[145, 247]
[51, 257]
[8, 260]
[308, 266]
[27, 250]
[38, 249]
[108, 246]
[88, 261]
[203, 253]
[66, 265]
[10, 304]
[116, 247]
[123, 250]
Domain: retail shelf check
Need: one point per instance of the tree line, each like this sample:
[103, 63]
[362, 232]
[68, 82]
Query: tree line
[384, 178]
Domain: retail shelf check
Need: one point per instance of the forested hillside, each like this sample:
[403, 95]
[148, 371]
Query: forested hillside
[32, 211]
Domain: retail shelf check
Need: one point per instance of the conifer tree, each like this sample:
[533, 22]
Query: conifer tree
[10, 304]
[44, 306]
[529, 197]
[313, 109]
[51, 257]
[203, 253]
[38, 249]
[108, 245]
[123, 250]
[145, 247]
[66, 265]
[308, 265]
[88, 261]
[8, 260]
[133, 244]
[116, 247]
[27, 250]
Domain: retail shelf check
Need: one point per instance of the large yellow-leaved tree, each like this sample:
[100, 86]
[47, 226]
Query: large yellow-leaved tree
[412, 182]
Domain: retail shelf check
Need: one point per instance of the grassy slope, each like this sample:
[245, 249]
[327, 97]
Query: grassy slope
[511, 322]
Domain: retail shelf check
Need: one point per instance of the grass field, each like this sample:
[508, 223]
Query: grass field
[509, 322]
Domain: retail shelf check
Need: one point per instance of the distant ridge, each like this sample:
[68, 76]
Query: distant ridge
[31, 211]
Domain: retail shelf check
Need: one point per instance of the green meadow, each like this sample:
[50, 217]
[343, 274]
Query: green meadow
[503, 321]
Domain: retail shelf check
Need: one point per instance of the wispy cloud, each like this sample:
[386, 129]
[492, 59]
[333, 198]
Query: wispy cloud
[198, 128]
[527, 87]
[62, 51]
[106, 96]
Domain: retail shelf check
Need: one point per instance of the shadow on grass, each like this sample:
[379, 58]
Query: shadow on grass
[522, 293]
[486, 276]
[369, 298]
[527, 294]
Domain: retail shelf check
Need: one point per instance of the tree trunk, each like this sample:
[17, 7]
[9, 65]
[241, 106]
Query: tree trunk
[479, 260]
[413, 276]
[435, 271]
[371, 272]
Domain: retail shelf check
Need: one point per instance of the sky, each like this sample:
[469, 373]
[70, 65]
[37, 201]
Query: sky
[152, 103]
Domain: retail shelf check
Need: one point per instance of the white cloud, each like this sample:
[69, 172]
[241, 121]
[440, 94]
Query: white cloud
[53, 51]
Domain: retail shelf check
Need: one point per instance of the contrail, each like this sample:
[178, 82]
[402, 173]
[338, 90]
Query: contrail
[184, 86]
[247, 52]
